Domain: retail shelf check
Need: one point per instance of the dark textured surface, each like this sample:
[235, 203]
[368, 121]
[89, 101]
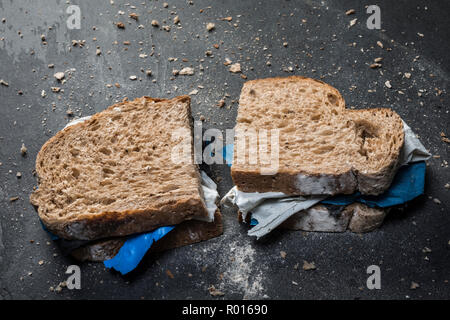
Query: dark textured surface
[319, 45]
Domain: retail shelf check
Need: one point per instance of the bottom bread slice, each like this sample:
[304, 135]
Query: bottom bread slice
[356, 217]
[186, 233]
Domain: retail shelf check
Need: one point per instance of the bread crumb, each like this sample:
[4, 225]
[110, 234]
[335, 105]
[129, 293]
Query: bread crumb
[188, 71]
[308, 265]
[283, 254]
[134, 16]
[349, 12]
[414, 285]
[444, 138]
[4, 83]
[23, 150]
[214, 292]
[426, 250]
[380, 44]
[388, 84]
[235, 68]
[120, 25]
[210, 26]
[169, 274]
[59, 75]
[155, 23]
[375, 65]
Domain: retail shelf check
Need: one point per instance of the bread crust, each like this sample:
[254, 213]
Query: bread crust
[356, 217]
[345, 181]
[365, 219]
[295, 183]
[185, 233]
[116, 223]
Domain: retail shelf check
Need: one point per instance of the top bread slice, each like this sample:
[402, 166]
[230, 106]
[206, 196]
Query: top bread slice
[113, 175]
[324, 148]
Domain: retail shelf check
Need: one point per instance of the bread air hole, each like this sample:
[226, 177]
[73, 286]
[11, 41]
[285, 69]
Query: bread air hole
[324, 149]
[107, 171]
[105, 151]
[107, 201]
[332, 99]
[75, 173]
[366, 132]
[74, 152]
[95, 128]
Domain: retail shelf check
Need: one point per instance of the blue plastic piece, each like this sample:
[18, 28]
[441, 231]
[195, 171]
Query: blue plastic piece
[134, 249]
[227, 154]
[408, 184]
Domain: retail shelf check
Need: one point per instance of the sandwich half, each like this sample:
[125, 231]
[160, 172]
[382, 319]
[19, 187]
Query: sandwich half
[115, 174]
[321, 149]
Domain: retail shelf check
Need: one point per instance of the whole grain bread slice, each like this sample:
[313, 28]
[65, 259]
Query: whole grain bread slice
[324, 148]
[114, 175]
[187, 232]
[356, 217]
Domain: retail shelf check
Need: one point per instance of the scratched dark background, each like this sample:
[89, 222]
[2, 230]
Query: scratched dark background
[413, 245]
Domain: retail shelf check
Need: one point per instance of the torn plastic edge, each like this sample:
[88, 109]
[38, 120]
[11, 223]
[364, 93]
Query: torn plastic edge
[134, 249]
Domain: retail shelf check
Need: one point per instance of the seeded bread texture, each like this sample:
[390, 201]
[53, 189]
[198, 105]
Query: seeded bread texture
[185, 233]
[112, 175]
[324, 148]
